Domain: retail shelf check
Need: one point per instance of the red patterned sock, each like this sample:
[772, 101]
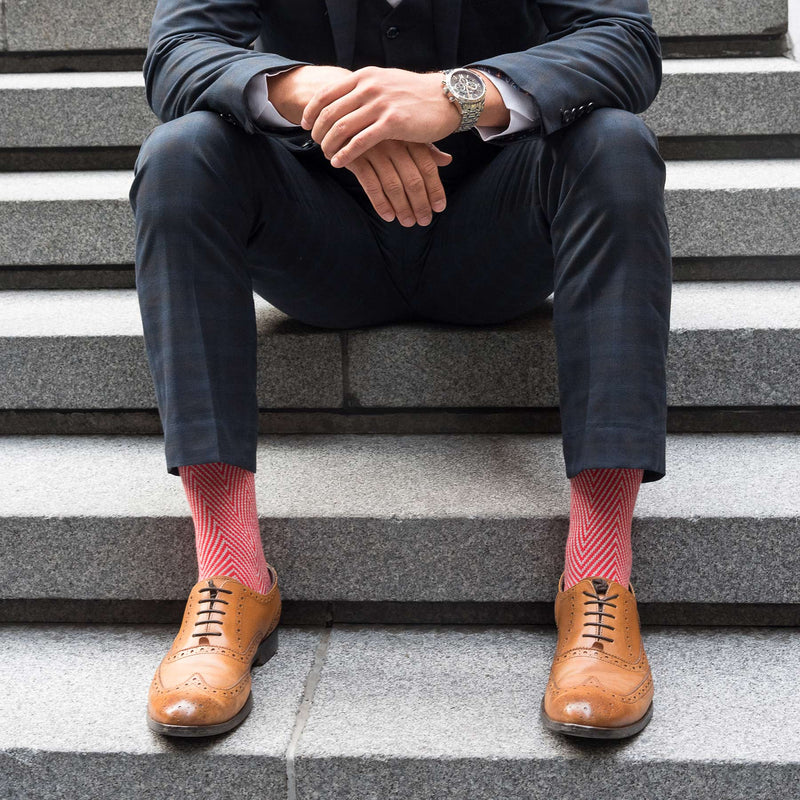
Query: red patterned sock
[600, 516]
[227, 538]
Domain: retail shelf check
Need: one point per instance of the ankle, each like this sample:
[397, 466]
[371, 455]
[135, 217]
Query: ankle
[227, 535]
[601, 515]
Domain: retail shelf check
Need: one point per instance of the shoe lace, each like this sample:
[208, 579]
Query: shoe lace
[213, 598]
[600, 599]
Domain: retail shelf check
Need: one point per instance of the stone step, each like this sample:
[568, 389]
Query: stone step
[375, 520]
[716, 209]
[407, 712]
[732, 344]
[85, 25]
[733, 97]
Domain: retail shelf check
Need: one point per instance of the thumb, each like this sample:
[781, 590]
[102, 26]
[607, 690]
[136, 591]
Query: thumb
[441, 158]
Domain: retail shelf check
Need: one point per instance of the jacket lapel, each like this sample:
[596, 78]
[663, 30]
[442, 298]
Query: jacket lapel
[343, 15]
[447, 23]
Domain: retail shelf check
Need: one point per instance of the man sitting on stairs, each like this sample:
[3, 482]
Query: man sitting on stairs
[370, 161]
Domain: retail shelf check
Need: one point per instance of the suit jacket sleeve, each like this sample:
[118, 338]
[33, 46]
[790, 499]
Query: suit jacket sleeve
[198, 58]
[603, 52]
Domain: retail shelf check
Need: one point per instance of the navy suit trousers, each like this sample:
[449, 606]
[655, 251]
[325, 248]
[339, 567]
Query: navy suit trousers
[580, 213]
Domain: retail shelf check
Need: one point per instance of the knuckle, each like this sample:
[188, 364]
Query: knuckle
[393, 186]
[429, 169]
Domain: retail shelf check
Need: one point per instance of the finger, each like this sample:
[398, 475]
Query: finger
[414, 184]
[393, 188]
[429, 170]
[325, 96]
[379, 131]
[344, 129]
[441, 158]
[371, 185]
[333, 113]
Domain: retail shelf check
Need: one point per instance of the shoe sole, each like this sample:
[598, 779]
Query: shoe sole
[594, 731]
[266, 650]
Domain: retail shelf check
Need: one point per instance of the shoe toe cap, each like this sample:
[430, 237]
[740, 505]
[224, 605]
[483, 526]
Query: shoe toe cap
[586, 706]
[194, 704]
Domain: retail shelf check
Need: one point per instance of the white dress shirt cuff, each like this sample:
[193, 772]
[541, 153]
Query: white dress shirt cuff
[522, 108]
[262, 112]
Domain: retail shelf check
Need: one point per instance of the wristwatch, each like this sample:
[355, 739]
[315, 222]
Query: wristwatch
[468, 90]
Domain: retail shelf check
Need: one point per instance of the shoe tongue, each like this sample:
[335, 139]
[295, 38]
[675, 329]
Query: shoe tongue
[600, 585]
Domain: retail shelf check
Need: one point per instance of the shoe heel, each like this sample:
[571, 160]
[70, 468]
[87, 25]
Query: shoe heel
[266, 649]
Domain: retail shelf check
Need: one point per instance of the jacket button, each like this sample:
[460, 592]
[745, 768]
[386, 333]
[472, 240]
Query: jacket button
[392, 32]
[308, 144]
[567, 116]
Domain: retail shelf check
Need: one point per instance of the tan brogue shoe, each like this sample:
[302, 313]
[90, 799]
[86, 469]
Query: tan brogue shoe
[202, 685]
[600, 683]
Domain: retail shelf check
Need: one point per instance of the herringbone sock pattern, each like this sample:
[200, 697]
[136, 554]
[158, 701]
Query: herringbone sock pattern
[227, 538]
[600, 517]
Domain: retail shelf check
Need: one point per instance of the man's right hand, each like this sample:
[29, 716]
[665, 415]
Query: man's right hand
[402, 180]
[291, 91]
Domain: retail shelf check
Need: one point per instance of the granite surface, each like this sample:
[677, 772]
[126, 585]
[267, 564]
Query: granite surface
[698, 97]
[714, 208]
[74, 110]
[66, 25]
[733, 208]
[396, 712]
[684, 18]
[55, 343]
[732, 344]
[74, 718]
[439, 518]
[727, 97]
[78, 25]
[439, 712]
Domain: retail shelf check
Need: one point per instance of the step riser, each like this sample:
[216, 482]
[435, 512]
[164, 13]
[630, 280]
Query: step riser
[710, 224]
[94, 24]
[728, 103]
[709, 99]
[772, 45]
[372, 519]
[426, 560]
[458, 370]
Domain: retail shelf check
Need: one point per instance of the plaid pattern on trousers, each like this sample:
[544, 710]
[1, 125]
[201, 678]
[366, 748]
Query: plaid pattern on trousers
[221, 213]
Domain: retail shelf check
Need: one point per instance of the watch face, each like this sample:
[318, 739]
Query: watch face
[466, 85]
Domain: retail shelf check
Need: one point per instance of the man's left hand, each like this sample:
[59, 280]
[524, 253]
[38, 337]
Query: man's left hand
[370, 105]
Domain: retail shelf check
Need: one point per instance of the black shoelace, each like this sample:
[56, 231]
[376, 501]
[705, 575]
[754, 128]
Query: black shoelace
[211, 600]
[599, 599]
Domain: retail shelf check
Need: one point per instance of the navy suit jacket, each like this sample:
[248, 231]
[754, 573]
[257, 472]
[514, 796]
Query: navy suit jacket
[565, 53]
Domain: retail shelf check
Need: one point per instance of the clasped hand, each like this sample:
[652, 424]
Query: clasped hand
[379, 124]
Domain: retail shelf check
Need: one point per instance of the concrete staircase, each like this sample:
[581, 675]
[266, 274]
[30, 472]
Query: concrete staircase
[410, 477]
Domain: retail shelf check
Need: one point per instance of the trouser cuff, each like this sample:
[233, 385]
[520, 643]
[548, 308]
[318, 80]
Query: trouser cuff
[207, 443]
[616, 447]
